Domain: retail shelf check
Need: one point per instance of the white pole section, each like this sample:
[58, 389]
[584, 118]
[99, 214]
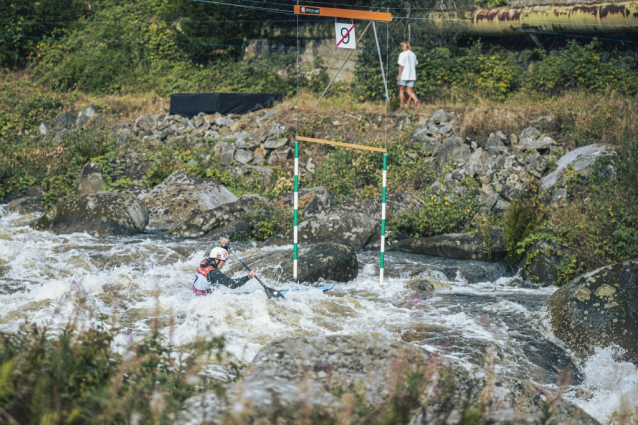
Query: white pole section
[296, 206]
[382, 254]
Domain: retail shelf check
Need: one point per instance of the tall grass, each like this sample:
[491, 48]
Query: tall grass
[73, 375]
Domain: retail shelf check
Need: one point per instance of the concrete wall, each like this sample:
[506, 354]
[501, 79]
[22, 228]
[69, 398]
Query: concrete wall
[309, 50]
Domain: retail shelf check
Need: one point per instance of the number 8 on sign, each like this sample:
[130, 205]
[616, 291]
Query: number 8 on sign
[345, 36]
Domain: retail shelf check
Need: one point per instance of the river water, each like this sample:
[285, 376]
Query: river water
[146, 276]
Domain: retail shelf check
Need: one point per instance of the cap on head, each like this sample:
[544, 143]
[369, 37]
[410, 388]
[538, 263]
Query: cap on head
[218, 253]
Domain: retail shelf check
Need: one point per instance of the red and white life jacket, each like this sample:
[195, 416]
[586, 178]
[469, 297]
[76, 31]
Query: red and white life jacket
[202, 286]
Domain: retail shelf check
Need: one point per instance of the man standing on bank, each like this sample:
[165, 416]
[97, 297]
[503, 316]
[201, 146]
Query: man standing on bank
[407, 73]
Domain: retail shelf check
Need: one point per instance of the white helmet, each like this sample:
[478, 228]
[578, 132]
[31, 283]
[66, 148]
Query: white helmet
[219, 254]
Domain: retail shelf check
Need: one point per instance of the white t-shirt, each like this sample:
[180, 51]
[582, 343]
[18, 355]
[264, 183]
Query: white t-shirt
[408, 61]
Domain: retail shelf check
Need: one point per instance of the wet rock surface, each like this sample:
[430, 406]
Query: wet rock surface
[598, 309]
[407, 265]
[313, 371]
[327, 261]
[101, 214]
[180, 196]
[458, 246]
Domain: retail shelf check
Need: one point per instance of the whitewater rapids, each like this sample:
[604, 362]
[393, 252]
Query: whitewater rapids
[141, 277]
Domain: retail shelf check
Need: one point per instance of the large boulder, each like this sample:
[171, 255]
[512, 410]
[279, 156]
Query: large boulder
[201, 223]
[101, 214]
[90, 179]
[180, 196]
[452, 149]
[328, 261]
[582, 160]
[26, 205]
[598, 309]
[356, 223]
[456, 245]
[345, 375]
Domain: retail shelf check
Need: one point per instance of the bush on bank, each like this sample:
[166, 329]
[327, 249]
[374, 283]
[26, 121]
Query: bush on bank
[73, 376]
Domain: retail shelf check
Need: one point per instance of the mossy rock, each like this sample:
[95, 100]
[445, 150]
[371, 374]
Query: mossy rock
[598, 309]
[541, 261]
[100, 214]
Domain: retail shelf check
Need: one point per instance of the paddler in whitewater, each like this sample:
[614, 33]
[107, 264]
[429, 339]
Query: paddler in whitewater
[209, 275]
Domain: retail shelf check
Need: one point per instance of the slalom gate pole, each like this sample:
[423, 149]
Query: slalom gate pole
[382, 253]
[296, 206]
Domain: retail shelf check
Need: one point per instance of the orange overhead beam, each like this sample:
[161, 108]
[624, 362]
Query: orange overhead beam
[343, 13]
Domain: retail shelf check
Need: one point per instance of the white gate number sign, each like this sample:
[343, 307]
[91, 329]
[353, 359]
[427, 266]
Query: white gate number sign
[345, 36]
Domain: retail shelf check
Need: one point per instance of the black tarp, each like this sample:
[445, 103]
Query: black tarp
[190, 104]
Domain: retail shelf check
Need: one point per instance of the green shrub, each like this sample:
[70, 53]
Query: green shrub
[353, 173]
[440, 213]
[580, 66]
[440, 67]
[522, 219]
[268, 219]
[88, 144]
[24, 21]
[20, 113]
[160, 172]
[604, 228]
[75, 376]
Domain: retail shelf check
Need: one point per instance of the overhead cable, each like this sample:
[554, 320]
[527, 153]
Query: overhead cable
[263, 9]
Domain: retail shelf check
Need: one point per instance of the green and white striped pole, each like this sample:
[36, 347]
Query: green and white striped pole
[296, 206]
[382, 254]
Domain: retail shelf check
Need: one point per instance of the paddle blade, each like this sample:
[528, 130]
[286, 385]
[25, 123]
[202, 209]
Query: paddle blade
[273, 293]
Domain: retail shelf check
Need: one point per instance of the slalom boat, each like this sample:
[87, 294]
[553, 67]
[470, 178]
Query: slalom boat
[286, 291]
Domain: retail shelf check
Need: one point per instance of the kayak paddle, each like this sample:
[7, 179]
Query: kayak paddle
[271, 293]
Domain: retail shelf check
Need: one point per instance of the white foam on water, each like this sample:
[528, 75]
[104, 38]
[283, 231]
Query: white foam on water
[139, 278]
[607, 382]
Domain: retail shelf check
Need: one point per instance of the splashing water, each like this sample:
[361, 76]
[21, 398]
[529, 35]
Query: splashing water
[141, 277]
